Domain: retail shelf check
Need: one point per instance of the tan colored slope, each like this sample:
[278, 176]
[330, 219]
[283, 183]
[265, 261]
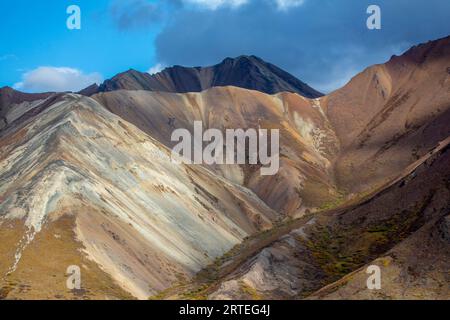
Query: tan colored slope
[390, 115]
[71, 170]
[142, 221]
[308, 144]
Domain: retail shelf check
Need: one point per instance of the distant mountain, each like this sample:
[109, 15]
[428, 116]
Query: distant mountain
[89, 91]
[248, 72]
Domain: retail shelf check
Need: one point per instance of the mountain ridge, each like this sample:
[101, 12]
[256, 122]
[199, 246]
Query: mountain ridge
[248, 72]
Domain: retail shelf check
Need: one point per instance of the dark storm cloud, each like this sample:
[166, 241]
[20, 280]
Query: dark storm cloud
[323, 42]
[135, 14]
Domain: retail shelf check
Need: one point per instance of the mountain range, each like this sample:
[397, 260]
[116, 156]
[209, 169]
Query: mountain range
[364, 179]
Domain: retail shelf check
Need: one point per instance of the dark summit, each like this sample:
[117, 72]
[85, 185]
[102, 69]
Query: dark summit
[247, 72]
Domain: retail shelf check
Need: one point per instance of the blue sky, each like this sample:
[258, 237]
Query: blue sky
[323, 42]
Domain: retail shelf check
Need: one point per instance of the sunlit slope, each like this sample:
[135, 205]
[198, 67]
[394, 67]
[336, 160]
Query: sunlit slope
[145, 221]
[308, 144]
[391, 114]
[403, 229]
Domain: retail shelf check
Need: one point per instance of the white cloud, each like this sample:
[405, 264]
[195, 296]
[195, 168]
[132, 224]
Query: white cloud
[56, 79]
[156, 68]
[214, 4]
[287, 4]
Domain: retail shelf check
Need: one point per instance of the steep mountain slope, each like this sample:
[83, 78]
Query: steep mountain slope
[308, 144]
[390, 115]
[247, 72]
[89, 91]
[403, 229]
[85, 185]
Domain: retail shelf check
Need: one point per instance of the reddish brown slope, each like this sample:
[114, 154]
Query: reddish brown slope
[391, 114]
